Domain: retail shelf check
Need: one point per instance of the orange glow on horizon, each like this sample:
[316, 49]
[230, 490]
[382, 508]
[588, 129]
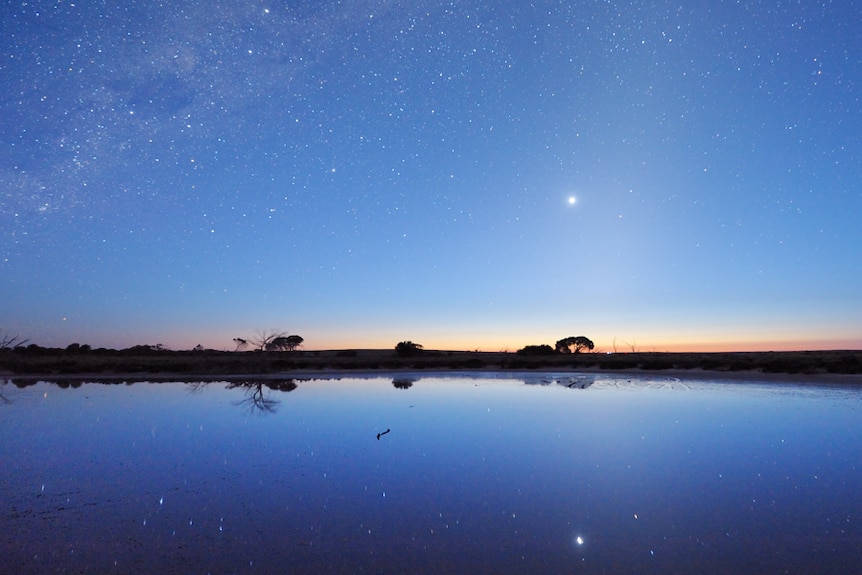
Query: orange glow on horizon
[705, 346]
[439, 339]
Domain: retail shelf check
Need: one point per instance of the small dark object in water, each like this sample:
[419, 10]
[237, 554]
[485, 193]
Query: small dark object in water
[383, 433]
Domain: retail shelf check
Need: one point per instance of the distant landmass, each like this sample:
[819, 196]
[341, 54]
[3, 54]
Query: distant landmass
[155, 360]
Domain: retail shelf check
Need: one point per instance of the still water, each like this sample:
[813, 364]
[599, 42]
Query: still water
[459, 474]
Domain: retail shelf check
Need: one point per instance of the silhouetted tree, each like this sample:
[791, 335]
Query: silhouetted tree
[408, 348]
[543, 349]
[265, 338]
[240, 343]
[77, 348]
[284, 343]
[574, 344]
[31, 348]
[145, 349]
[293, 342]
[277, 344]
[11, 341]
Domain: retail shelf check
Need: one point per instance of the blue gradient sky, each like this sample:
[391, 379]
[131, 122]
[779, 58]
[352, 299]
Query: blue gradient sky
[363, 172]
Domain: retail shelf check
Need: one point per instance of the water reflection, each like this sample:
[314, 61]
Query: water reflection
[256, 399]
[577, 381]
[569, 380]
[403, 382]
[3, 398]
[259, 394]
[534, 473]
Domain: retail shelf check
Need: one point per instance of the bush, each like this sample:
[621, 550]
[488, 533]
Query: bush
[408, 348]
[533, 350]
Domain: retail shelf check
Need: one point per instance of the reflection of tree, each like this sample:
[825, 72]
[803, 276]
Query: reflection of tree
[256, 398]
[197, 386]
[3, 398]
[69, 383]
[403, 382]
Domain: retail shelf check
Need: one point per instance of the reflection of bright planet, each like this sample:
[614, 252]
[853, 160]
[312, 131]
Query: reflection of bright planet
[572, 200]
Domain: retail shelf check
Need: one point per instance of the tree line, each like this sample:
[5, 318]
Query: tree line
[276, 340]
[571, 344]
[270, 340]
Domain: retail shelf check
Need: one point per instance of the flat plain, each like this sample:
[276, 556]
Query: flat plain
[824, 365]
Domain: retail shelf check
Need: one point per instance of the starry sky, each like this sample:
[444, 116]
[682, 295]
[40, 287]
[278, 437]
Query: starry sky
[483, 175]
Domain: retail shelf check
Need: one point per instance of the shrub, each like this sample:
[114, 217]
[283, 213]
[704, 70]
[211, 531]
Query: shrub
[532, 350]
[408, 348]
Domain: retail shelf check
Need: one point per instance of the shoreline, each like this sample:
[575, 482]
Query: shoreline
[715, 376]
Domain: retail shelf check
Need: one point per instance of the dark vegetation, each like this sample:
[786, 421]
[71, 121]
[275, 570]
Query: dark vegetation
[270, 340]
[80, 359]
[408, 349]
[533, 350]
[574, 344]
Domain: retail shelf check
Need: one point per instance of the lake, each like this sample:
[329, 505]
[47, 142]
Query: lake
[493, 473]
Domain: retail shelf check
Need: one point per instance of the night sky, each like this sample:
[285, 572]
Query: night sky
[466, 175]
